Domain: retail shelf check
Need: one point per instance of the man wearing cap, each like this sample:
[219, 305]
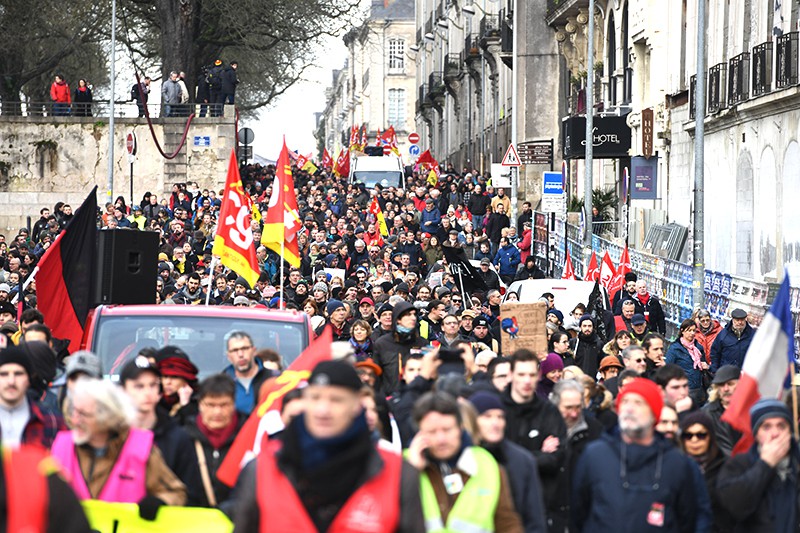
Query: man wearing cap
[639, 328]
[722, 388]
[4, 290]
[488, 275]
[760, 488]
[22, 419]
[325, 473]
[648, 305]
[141, 381]
[520, 465]
[391, 351]
[730, 346]
[633, 480]
[462, 487]
[384, 324]
[481, 333]
[466, 317]
[7, 312]
[366, 310]
[246, 369]
[430, 217]
[627, 292]
[337, 319]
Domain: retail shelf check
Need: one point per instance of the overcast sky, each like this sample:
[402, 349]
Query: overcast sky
[293, 114]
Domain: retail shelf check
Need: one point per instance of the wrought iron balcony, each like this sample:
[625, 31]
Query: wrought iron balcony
[506, 33]
[490, 27]
[716, 87]
[422, 98]
[435, 84]
[762, 68]
[472, 47]
[452, 66]
[786, 64]
[739, 78]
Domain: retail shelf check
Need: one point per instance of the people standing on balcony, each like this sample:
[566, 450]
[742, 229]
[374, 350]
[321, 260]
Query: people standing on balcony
[171, 95]
[229, 82]
[203, 96]
[83, 100]
[139, 94]
[60, 95]
[183, 109]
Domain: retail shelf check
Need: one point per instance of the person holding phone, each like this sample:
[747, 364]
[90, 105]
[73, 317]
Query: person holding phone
[462, 486]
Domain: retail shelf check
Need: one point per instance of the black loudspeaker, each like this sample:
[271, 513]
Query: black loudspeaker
[126, 267]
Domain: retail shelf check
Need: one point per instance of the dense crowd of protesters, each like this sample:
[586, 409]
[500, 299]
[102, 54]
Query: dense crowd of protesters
[612, 427]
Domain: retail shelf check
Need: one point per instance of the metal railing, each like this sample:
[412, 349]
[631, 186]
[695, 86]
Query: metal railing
[100, 109]
[472, 46]
[716, 87]
[739, 78]
[435, 84]
[627, 86]
[490, 27]
[762, 68]
[452, 66]
[506, 34]
[786, 64]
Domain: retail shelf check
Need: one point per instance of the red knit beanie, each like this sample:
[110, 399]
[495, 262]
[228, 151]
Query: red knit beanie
[647, 390]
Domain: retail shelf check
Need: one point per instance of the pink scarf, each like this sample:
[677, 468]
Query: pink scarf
[694, 351]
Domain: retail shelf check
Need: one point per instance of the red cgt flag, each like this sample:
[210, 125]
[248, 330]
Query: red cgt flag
[592, 270]
[233, 243]
[606, 270]
[618, 281]
[282, 221]
[327, 162]
[271, 397]
[569, 272]
[342, 167]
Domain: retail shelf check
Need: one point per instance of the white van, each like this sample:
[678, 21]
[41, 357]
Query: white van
[386, 170]
[568, 293]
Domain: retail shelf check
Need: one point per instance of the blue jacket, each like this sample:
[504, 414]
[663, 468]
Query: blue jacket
[656, 483]
[246, 398]
[728, 349]
[678, 355]
[507, 259]
[434, 217]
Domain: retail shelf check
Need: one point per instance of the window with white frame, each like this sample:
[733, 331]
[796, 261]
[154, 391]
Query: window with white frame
[397, 49]
[397, 108]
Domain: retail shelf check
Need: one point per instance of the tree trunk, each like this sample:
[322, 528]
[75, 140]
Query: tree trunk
[179, 19]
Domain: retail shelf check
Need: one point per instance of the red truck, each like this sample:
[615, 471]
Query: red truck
[117, 333]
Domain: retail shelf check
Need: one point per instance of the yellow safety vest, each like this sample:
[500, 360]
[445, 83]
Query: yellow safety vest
[475, 506]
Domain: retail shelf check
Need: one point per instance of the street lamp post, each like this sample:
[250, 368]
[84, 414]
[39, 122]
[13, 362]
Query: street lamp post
[514, 113]
[698, 269]
[110, 190]
[589, 143]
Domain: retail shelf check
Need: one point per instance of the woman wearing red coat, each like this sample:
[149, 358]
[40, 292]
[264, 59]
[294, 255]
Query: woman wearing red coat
[59, 94]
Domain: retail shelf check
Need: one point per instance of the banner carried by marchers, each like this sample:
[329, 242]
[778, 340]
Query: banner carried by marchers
[283, 221]
[233, 242]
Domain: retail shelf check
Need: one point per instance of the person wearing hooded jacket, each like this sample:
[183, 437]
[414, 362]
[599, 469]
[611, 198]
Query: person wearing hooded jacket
[633, 479]
[587, 347]
[391, 351]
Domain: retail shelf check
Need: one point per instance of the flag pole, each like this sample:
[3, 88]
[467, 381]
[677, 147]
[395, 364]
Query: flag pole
[794, 404]
[33, 275]
[283, 252]
[211, 274]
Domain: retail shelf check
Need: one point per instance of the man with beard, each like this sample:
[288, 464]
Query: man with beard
[391, 351]
[722, 388]
[384, 324]
[587, 347]
[633, 480]
[536, 425]
[193, 291]
[639, 328]
[480, 333]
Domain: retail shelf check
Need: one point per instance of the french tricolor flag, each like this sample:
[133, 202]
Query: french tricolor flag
[766, 366]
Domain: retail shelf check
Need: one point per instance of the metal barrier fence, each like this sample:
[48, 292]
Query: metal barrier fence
[122, 109]
[671, 281]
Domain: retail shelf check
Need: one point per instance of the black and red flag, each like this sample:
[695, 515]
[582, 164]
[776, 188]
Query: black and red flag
[66, 271]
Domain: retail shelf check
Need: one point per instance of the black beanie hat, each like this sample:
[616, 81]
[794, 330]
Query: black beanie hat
[15, 354]
[335, 374]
